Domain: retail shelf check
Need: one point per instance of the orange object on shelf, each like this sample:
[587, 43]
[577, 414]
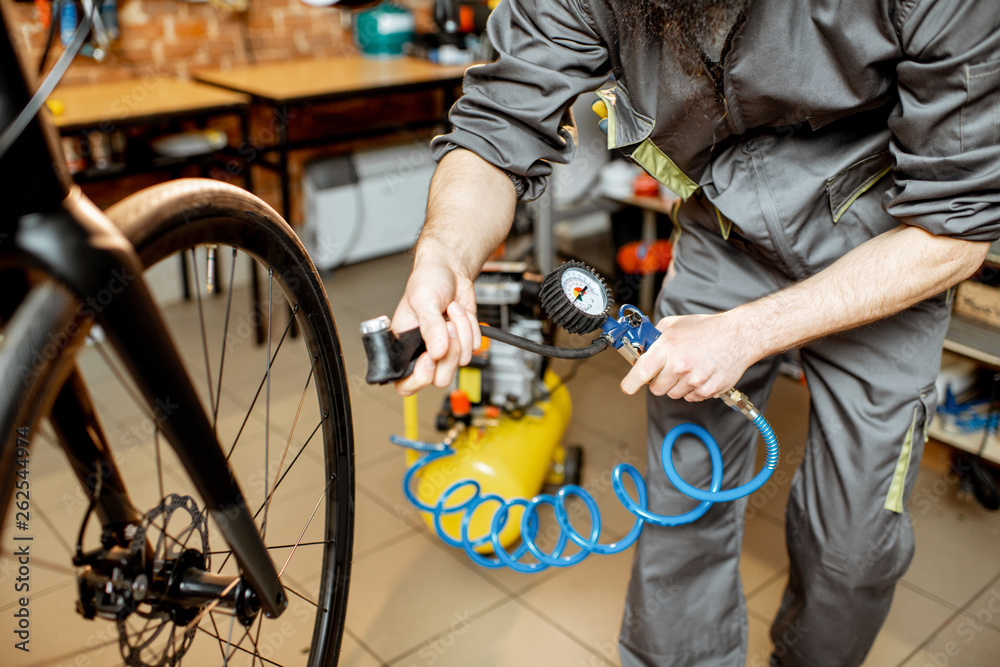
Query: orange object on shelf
[645, 185]
[642, 258]
[460, 404]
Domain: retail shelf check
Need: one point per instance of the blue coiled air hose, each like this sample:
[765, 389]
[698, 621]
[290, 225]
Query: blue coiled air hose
[590, 543]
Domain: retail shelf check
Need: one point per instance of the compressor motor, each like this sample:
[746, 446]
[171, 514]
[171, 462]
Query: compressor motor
[501, 377]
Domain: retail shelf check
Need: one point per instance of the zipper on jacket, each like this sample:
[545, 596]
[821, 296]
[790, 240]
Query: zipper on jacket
[769, 211]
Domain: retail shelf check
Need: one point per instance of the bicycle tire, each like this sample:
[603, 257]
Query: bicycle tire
[173, 217]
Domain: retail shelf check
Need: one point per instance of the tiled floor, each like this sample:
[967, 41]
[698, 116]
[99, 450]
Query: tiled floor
[416, 602]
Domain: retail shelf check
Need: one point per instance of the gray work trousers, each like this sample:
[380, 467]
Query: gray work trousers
[849, 537]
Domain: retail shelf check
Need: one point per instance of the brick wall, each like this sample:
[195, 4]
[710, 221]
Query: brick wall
[172, 36]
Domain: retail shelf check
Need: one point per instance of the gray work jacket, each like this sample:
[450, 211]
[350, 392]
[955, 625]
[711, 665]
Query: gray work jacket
[834, 120]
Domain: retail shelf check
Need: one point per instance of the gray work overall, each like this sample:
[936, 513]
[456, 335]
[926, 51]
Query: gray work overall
[826, 123]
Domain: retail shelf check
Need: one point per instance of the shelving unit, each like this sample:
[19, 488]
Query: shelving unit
[981, 343]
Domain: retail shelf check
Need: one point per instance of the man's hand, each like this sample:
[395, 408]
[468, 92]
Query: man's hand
[470, 208]
[700, 356]
[696, 357]
[434, 290]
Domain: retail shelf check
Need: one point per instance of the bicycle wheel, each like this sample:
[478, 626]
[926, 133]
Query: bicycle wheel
[281, 412]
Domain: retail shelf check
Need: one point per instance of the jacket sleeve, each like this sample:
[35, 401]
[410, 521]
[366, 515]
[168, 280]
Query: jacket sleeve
[946, 125]
[514, 112]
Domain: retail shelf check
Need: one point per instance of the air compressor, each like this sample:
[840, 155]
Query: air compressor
[507, 415]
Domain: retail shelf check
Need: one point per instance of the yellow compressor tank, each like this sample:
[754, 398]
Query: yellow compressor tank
[510, 459]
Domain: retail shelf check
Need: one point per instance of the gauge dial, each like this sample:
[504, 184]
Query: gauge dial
[584, 291]
[575, 297]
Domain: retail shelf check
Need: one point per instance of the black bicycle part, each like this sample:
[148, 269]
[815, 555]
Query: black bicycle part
[80, 247]
[159, 222]
[561, 310]
[36, 151]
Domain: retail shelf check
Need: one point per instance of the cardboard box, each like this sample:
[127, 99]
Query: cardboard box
[978, 301]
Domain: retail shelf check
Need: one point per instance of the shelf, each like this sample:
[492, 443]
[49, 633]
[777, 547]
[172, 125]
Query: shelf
[969, 442]
[973, 339]
[141, 166]
[993, 256]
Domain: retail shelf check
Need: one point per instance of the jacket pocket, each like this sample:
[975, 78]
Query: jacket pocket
[843, 189]
[626, 126]
[916, 436]
[630, 130]
[979, 123]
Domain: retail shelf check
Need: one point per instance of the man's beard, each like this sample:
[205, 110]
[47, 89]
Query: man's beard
[696, 28]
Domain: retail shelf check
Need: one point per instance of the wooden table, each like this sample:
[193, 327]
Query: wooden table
[279, 85]
[106, 107]
[330, 78]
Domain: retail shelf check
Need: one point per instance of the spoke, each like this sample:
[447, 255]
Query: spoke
[207, 609]
[239, 645]
[254, 641]
[267, 399]
[305, 528]
[211, 617]
[225, 334]
[133, 391]
[300, 595]
[259, 387]
[229, 640]
[296, 458]
[280, 546]
[239, 648]
[204, 335]
[58, 534]
[278, 483]
[295, 421]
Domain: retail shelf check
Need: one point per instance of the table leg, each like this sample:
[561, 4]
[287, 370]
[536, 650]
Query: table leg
[545, 235]
[647, 288]
[245, 145]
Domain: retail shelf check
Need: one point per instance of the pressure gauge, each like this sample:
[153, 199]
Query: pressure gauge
[575, 297]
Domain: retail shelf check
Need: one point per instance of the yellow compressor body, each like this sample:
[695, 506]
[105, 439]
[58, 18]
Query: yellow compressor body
[511, 459]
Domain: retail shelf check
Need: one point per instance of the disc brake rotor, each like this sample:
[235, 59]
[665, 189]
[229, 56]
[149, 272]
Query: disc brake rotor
[177, 531]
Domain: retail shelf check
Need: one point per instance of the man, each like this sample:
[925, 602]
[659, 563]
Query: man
[840, 164]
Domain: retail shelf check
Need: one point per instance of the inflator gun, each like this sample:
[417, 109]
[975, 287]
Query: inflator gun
[574, 296]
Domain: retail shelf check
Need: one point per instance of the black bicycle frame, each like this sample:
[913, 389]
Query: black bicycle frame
[49, 226]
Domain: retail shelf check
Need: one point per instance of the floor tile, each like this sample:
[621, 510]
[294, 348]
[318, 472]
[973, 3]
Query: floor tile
[353, 654]
[911, 620]
[508, 635]
[588, 600]
[953, 560]
[765, 599]
[759, 646]
[764, 554]
[964, 642]
[986, 607]
[402, 595]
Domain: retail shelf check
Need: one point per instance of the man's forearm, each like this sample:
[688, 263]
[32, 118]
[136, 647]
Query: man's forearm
[875, 280]
[469, 212]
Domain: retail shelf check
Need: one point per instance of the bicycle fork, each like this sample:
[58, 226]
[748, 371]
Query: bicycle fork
[79, 246]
